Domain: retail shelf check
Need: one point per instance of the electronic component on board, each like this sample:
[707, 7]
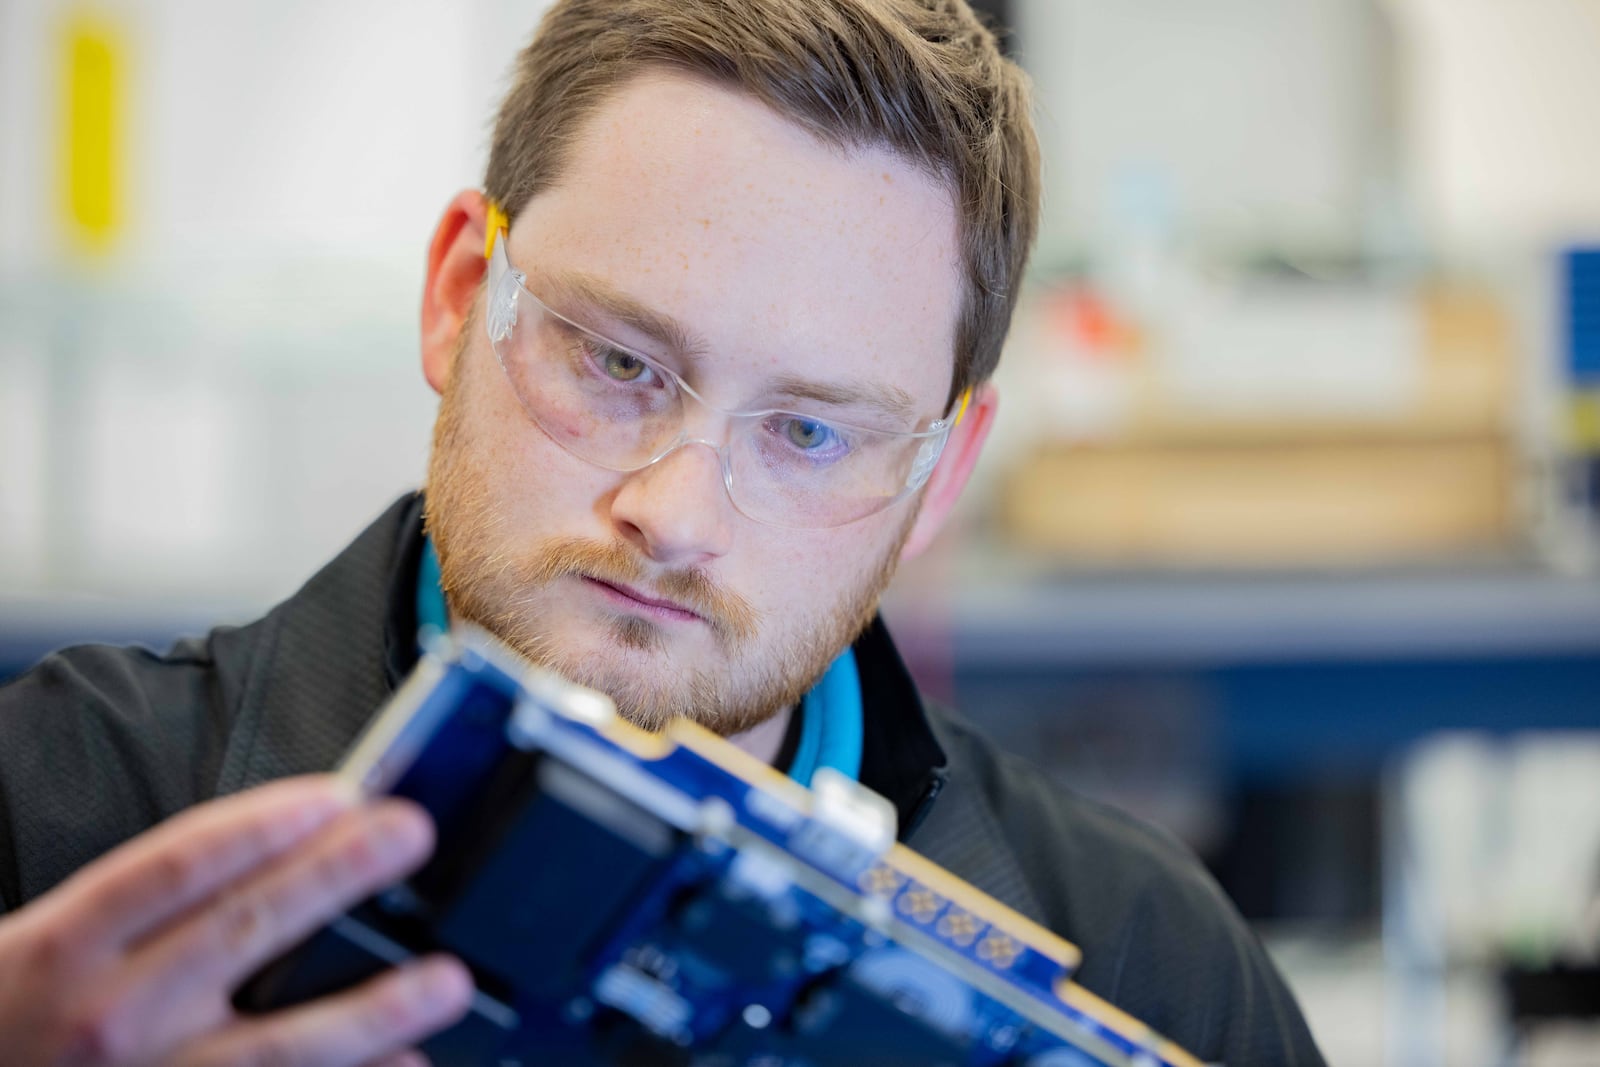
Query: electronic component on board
[625, 897]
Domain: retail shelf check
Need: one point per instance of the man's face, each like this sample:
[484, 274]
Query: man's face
[799, 268]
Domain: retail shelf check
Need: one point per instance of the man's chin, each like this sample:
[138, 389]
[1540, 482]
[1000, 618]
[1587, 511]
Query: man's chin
[651, 691]
[631, 665]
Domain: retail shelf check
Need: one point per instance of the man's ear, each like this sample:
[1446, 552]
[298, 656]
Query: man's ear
[455, 267]
[955, 465]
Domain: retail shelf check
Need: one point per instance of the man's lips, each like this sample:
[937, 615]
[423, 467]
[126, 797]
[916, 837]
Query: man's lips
[635, 600]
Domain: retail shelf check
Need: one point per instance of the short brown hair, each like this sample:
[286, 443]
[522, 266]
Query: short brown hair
[923, 78]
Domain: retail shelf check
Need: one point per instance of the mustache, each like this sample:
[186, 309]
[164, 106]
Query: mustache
[730, 616]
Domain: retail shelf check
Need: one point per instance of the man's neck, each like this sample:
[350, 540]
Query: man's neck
[765, 740]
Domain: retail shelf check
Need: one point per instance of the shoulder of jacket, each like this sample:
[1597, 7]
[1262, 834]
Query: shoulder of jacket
[1045, 820]
[131, 681]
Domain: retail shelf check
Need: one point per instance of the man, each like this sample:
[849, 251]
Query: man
[713, 351]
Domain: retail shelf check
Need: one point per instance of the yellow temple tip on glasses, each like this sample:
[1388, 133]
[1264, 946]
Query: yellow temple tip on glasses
[494, 224]
[966, 398]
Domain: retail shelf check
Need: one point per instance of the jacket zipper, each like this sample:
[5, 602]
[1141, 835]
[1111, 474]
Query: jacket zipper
[930, 793]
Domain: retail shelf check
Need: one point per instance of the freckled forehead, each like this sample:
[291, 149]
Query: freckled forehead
[749, 227]
[693, 156]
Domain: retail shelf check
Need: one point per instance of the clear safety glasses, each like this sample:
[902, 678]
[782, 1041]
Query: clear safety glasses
[623, 410]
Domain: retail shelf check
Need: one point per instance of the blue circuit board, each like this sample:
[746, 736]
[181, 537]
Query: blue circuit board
[624, 897]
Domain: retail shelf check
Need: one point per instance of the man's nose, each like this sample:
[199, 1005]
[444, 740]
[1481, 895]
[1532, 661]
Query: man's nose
[677, 509]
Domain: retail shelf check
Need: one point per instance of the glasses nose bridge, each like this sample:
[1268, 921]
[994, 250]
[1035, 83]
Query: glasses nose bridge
[697, 421]
[683, 440]
[697, 416]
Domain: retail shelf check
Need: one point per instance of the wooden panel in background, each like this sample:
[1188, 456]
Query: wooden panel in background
[1255, 504]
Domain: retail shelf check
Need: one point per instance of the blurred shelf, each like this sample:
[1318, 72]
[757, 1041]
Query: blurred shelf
[1020, 615]
[1272, 679]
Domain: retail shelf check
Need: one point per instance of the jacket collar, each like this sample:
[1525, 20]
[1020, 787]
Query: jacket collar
[900, 757]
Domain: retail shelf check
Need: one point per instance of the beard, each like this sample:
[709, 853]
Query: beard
[764, 663]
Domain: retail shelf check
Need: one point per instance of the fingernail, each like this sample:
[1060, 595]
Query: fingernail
[400, 831]
[442, 985]
[318, 808]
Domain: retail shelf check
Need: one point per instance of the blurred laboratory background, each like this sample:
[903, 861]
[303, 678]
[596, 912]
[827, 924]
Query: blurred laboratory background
[1288, 538]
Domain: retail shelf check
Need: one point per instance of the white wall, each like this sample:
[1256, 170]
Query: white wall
[224, 399]
[1302, 122]
[1239, 121]
[1502, 114]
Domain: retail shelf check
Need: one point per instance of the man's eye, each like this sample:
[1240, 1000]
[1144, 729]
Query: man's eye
[808, 434]
[622, 367]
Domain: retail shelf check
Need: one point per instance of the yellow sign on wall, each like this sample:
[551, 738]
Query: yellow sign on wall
[93, 64]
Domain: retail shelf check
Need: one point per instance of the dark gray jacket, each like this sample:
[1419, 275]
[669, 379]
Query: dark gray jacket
[98, 744]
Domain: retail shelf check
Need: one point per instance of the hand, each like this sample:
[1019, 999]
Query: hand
[134, 959]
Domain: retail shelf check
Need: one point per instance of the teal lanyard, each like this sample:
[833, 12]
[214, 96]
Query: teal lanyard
[830, 714]
[432, 613]
[830, 723]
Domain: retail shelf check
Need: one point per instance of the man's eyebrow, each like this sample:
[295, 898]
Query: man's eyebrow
[599, 296]
[891, 400]
[596, 294]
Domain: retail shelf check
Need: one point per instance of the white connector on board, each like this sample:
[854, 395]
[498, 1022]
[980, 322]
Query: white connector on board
[849, 828]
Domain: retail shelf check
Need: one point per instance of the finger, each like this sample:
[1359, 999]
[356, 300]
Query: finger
[159, 874]
[373, 1021]
[210, 951]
